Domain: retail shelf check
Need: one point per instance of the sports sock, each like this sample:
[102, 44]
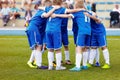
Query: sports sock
[38, 57]
[50, 58]
[106, 56]
[67, 55]
[32, 57]
[85, 58]
[97, 55]
[58, 59]
[78, 59]
[92, 55]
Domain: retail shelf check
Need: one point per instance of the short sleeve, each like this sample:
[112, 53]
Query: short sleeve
[47, 9]
[73, 15]
[65, 10]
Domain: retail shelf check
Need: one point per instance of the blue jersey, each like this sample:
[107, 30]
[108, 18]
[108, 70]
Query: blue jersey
[64, 24]
[83, 23]
[54, 24]
[37, 21]
[97, 28]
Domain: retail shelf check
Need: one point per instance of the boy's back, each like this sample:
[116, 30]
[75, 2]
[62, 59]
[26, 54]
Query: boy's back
[83, 23]
[54, 24]
[37, 20]
[97, 28]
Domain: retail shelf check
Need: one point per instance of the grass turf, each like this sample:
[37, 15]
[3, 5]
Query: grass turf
[15, 52]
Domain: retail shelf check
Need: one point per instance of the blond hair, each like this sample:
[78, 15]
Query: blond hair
[57, 2]
[79, 4]
[65, 5]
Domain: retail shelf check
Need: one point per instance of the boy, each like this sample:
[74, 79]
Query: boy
[84, 31]
[53, 35]
[35, 37]
[98, 39]
[88, 7]
[64, 34]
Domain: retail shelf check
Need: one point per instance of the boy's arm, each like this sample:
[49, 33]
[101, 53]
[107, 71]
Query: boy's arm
[73, 10]
[61, 15]
[50, 12]
[92, 16]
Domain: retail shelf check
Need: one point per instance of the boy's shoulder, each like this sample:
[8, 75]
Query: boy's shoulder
[79, 13]
[48, 8]
[40, 11]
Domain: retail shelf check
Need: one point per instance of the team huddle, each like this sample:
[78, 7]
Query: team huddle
[48, 27]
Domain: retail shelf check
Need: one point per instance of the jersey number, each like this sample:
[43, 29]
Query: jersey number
[87, 19]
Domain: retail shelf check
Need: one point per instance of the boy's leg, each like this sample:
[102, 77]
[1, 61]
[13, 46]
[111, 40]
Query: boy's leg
[85, 58]
[86, 51]
[58, 60]
[50, 47]
[92, 56]
[78, 59]
[103, 43]
[38, 57]
[97, 57]
[32, 42]
[65, 43]
[93, 50]
[35, 41]
[32, 58]
[67, 55]
[80, 45]
[78, 56]
[57, 41]
[50, 58]
[106, 57]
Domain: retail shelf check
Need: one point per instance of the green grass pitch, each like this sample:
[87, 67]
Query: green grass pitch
[15, 52]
